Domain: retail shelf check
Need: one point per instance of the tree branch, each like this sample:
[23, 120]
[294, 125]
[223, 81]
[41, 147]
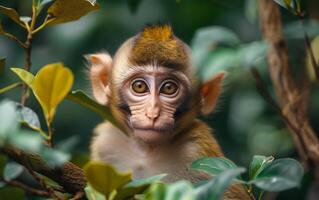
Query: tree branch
[69, 176]
[291, 99]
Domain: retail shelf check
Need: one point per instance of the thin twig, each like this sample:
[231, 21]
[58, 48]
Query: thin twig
[15, 39]
[27, 188]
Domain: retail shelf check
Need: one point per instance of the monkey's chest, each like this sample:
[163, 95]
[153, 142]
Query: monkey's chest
[144, 164]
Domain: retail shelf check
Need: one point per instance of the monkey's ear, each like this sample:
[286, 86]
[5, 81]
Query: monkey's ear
[100, 69]
[210, 92]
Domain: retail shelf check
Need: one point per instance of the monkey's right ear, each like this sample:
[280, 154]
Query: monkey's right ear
[100, 69]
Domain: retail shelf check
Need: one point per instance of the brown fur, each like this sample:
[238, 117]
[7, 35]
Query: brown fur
[157, 44]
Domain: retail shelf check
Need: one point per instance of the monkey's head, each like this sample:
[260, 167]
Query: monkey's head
[151, 87]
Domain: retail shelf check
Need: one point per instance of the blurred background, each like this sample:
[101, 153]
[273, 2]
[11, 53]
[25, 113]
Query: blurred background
[244, 124]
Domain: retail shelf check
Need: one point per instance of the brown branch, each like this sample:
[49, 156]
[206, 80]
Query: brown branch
[27, 188]
[69, 176]
[290, 98]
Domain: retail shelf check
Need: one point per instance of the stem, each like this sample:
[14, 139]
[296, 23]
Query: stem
[308, 45]
[10, 87]
[261, 194]
[50, 136]
[28, 48]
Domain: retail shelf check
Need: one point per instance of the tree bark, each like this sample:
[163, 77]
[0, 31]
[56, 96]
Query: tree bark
[69, 176]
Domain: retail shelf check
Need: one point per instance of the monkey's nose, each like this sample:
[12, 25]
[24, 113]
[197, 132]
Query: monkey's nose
[152, 113]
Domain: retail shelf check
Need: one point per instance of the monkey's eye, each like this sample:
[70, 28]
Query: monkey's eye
[169, 88]
[139, 86]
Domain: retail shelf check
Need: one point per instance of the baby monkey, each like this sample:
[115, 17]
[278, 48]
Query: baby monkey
[151, 87]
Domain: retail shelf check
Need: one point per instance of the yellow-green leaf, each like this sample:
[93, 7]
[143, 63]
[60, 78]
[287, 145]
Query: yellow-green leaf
[315, 49]
[51, 84]
[104, 178]
[62, 11]
[12, 14]
[24, 75]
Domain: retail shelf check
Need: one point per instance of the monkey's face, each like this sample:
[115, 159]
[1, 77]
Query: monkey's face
[153, 95]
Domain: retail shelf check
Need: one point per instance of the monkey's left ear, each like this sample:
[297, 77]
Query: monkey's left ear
[101, 64]
[210, 92]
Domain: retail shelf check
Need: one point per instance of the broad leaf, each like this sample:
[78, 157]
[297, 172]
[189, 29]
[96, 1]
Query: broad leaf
[206, 39]
[26, 140]
[50, 86]
[222, 59]
[294, 30]
[81, 98]
[281, 174]
[3, 161]
[92, 194]
[104, 178]
[213, 165]
[53, 157]
[27, 115]
[24, 75]
[8, 119]
[251, 54]
[258, 164]
[156, 192]
[214, 189]
[12, 14]
[12, 170]
[137, 186]
[181, 190]
[62, 11]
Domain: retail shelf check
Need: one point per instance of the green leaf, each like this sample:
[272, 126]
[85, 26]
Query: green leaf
[281, 174]
[92, 194]
[156, 192]
[12, 14]
[251, 54]
[133, 5]
[213, 165]
[53, 157]
[9, 87]
[8, 119]
[81, 98]
[26, 140]
[50, 86]
[214, 189]
[294, 30]
[104, 178]
[12, 170]
[28, 116]
[24, 75]
[206, 39]
[137, 186]
[62, 11]
[258, 164]
[221, 59]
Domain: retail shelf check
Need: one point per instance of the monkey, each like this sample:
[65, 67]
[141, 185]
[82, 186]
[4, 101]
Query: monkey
[153, 92]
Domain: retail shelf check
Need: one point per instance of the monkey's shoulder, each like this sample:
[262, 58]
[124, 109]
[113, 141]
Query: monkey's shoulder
[201, 136]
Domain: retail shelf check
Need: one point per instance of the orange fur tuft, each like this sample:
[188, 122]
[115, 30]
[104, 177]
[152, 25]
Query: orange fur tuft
[158, 32]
